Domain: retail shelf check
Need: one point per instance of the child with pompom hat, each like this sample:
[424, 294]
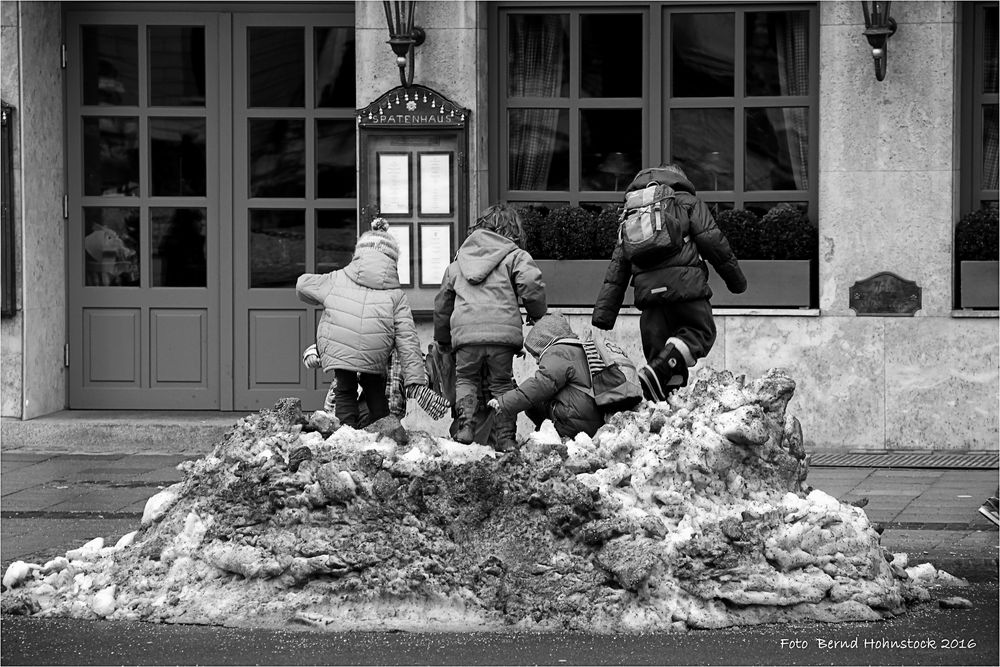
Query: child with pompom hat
[366, 316]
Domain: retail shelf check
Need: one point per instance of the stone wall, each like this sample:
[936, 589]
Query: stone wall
[36, 379]
[10, 327]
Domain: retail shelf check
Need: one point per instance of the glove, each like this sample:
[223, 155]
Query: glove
[737, 286]
[310, 357]
[493, 404]
[444, 347]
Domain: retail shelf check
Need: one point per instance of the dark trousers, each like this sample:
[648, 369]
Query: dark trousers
[347, 407]
[691, 321]
[470, 360]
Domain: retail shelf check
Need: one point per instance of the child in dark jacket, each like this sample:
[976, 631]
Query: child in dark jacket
[476, 314]
[559, 388]
[676, 321]
[365, 317]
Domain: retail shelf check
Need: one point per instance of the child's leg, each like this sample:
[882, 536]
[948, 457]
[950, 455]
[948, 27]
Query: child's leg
[374, 388]
[469, 361]
[346, 397]
[674, 337]
[500, 380]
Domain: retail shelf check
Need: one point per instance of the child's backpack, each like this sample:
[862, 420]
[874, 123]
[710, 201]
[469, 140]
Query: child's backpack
[653, 226]
[614, 377]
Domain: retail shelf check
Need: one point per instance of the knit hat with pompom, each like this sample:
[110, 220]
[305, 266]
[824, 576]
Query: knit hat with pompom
[379, 239]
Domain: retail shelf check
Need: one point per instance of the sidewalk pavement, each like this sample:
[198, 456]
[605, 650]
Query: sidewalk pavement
[929, 513]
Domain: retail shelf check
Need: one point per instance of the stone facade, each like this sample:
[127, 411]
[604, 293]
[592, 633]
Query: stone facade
[33, 377]
[888, 192]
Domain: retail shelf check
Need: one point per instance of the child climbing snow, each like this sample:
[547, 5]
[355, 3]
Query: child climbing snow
[477, 315]
[366, 316]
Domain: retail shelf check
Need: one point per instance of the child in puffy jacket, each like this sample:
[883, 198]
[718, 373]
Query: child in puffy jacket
[676, 322]
[559, 388]
[366, 315]
[477, 316]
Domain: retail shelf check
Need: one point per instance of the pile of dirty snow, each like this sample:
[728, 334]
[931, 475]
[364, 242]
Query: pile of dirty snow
[690, 513]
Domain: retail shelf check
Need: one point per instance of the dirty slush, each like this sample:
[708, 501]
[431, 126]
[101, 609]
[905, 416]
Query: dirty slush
[690, 513]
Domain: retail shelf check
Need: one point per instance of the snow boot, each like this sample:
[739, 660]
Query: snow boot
[466, 407]
[505, 430]
[666, 373]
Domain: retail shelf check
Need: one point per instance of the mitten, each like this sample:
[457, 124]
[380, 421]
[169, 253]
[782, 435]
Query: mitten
[310, 357]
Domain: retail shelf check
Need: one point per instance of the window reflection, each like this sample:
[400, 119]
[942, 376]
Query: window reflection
[336, 234]
[178, 247]
[111, 156]
[276, 60]
[777, 149]
[177, 156]
[990, 152]
[111, 246]
[703, 54]
[538, 55]
[333, 63]
[608, 67]
[990, 50]
[539, 149]
[777, 53]
[335, 161]
[110, 64]
[277, 247]
[611, 148]
[277, 157]
[177, 65]
[701, 142]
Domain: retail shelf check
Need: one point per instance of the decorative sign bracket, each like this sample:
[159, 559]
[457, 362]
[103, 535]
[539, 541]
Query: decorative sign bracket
[416, 106]
[887, 295]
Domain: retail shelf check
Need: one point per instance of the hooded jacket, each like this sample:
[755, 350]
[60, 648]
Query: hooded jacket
[556, 385]
[478, 300]
[680, 277]
[365, 316]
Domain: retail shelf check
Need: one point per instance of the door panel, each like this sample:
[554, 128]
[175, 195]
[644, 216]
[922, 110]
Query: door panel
[294, 193]
[145, 216]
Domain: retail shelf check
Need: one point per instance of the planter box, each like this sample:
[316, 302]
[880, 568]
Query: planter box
[575, 282]
[979, 284]
[771, 283]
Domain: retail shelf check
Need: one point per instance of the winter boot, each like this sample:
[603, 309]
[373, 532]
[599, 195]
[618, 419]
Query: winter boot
[505, 430]
[466, 407]
[666, 373]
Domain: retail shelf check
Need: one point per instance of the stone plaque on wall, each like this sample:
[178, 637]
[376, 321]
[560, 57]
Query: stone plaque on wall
[885, 294]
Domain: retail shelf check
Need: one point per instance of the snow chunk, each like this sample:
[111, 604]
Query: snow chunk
[159, 504]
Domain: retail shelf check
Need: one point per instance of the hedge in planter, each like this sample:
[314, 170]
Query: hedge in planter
[978, 253]
[775, 253]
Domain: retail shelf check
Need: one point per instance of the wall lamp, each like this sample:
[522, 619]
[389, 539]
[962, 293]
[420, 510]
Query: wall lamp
[879, 27]
[404, 37]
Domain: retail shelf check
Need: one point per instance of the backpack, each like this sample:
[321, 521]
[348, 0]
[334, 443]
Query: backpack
[653, 226]
[613, 376]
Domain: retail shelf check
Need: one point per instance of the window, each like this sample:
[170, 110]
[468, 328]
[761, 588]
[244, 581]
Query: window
[728, 92]
[979, 122]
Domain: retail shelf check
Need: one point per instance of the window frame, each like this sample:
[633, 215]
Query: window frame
[973, 101]
[656, 103]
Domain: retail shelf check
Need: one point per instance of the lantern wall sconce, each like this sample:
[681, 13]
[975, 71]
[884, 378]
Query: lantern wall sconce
[879, 27]
[404, 37]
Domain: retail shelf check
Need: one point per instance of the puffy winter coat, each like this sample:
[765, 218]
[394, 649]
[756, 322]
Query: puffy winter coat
[477, 302]
[556, 385]
[365, 315]
[680, 277]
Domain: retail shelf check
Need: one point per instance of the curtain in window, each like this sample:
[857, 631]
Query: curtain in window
[793, 74]
[990, 152]
[535, 70]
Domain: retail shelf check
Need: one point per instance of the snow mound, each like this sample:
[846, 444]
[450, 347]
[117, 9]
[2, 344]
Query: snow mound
[690, 513]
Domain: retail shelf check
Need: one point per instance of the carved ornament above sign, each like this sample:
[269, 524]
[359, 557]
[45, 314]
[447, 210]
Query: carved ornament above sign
[416, 106]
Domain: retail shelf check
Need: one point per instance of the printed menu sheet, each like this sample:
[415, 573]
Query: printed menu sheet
[435, 183]
[393, 183]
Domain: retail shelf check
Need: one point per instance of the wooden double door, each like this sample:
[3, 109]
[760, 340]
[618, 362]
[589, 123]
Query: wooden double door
[211, 161]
